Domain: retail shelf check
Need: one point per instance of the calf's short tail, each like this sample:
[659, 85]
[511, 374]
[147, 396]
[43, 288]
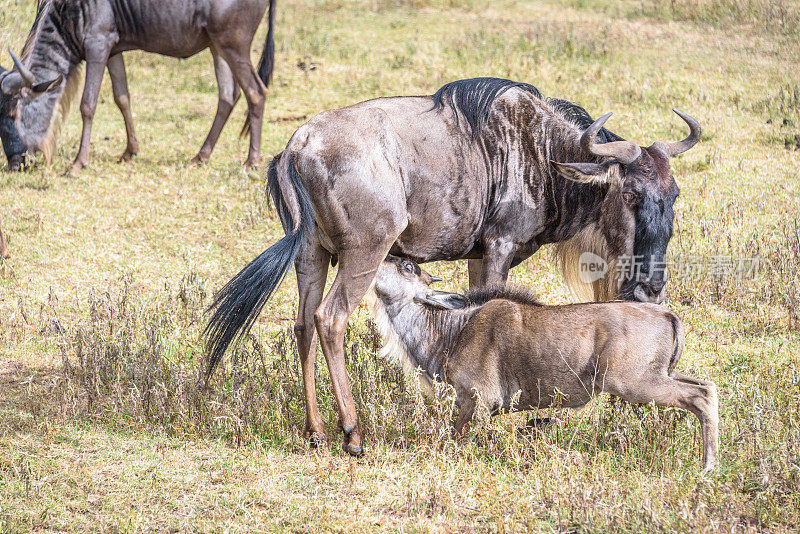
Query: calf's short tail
[677, 342]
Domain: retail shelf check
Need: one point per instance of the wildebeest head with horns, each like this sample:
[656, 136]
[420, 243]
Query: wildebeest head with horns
[635, 222]
[19, 85]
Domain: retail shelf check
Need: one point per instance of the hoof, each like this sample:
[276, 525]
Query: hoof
[315, 438]
[74, 169]
[534, 428]
[355, 451]
[539, 423]
[198, 161]
[352, 442]
[126, 157]
[709, 468]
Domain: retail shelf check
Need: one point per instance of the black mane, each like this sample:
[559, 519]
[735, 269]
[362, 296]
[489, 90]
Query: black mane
[473, 99]
[579, 116]
[521, 295]
[40, 5]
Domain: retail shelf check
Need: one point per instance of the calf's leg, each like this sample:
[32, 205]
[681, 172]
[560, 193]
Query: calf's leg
[119, 86]
[694, 395]
[466, 410]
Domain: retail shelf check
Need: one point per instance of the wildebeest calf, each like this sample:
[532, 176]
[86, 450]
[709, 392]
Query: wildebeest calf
[494, 343]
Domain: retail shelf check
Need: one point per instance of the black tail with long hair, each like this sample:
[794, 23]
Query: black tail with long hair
[239, 302]
[267, 61]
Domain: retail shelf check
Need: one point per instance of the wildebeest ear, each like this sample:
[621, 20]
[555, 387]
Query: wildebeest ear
[584, 172]
[427, 278]
[443, 300]
[46, 87]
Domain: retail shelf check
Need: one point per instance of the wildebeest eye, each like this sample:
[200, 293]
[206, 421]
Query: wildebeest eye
[630, 198]
[407, 267]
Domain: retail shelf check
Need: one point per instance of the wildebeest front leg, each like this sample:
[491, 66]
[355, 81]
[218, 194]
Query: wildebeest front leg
[228, 95]
[312, 271]
[466, 410]
[497, 261]
[119, 85]
[97, 51]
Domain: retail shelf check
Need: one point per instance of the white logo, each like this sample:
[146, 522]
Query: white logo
[591, 267]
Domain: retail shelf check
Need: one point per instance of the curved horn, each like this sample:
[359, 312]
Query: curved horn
[673, 149]
[624, 151]
[26, 74]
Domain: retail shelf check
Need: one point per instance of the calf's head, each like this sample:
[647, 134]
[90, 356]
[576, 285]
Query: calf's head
[400, 282]
[636, 214]
[18, 87]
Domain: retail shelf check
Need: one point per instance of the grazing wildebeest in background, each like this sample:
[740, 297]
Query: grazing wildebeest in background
[484, 169]
[36, 94]
[496, 343]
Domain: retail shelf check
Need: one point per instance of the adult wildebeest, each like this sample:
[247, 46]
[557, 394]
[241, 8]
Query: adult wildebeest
[496, 343]
[484, 169]
[36, 94]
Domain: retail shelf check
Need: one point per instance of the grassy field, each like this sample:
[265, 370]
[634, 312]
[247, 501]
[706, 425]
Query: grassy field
[102, 423]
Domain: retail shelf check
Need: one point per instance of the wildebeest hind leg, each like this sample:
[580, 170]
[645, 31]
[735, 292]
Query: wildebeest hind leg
[690, 379]
[237, 56]
[312, 271]
[119, 85]
[357, 268]
[228, 95]
[698, 398]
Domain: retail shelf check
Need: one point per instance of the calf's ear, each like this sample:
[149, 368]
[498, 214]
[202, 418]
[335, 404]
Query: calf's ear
[442, 300]
[585, 172]
[427, 278]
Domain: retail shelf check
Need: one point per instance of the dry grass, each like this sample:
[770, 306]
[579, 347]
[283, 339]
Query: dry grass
[104, 425]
